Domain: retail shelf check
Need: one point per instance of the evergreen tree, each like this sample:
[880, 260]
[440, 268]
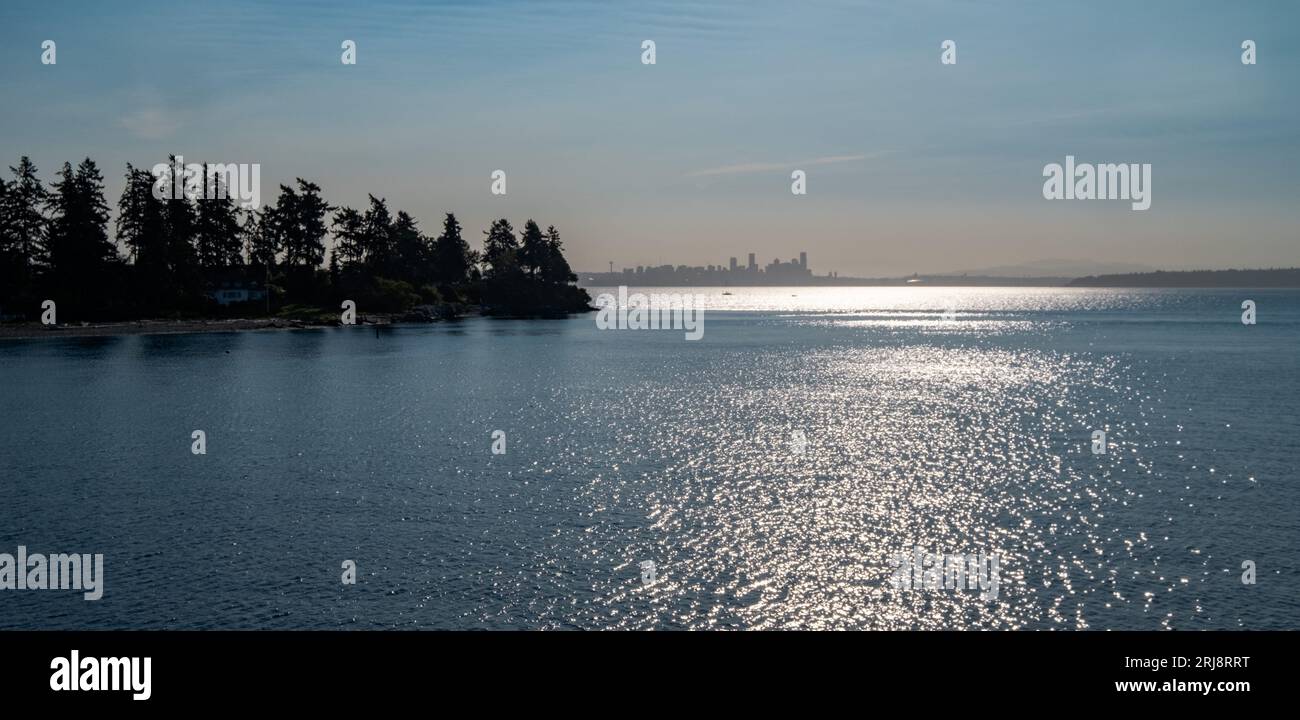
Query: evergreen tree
[217, 238]
[140, 226]
[349, 239]
[376, 227]
[532, 250]
[410, 251]
[181, 221]
[81, 255]
[452, 257]
[555, 269]
[6, 234]
[301, 224]
[500, 250]
[142, 230]
[11, 286]
[24, 235]
[262, 237]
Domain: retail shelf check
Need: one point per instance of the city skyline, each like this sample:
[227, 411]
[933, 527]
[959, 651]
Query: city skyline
[799, 264]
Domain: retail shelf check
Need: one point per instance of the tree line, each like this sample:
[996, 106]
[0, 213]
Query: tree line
[165, 258]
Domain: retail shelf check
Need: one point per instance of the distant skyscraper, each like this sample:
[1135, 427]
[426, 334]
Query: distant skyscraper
[733, 264]
[803, 260]
[753, 264]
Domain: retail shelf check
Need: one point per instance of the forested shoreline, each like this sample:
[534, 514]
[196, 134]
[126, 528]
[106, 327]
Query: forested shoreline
[1261, 278]
[187, 257]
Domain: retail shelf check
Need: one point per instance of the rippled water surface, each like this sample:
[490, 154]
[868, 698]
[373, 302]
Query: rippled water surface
[950, 420]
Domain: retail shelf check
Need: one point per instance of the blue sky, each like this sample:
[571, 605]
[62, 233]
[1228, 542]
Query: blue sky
[913, 166]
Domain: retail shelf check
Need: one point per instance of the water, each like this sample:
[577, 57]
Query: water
[954, 420]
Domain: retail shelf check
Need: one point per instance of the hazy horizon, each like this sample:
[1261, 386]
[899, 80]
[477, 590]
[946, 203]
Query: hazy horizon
[912, 166]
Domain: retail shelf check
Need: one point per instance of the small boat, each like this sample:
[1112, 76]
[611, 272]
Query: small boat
[726, 293]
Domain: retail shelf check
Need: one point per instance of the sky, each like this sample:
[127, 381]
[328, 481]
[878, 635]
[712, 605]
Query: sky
[912, 165]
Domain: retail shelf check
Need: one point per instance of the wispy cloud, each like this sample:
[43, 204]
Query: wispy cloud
[756, 167]
[150, 124]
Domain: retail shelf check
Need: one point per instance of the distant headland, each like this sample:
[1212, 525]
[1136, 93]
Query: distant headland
[1272, 278]
[197, 256]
